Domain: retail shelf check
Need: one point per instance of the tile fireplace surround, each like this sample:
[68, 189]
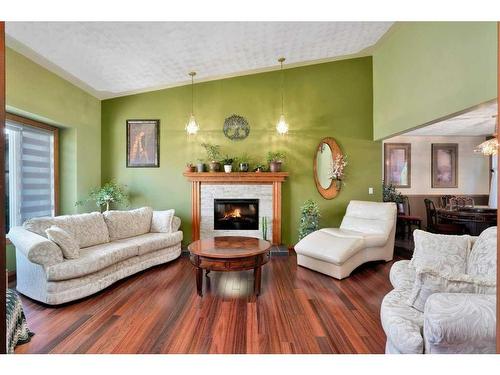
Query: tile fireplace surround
[207, 186]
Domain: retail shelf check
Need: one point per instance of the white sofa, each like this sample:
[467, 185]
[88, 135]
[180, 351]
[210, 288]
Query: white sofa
[451, 322]
[113, 245]
[366, 234]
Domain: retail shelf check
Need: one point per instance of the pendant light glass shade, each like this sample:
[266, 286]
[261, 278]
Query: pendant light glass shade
[282, 126]
[489, 147]
[192, 126]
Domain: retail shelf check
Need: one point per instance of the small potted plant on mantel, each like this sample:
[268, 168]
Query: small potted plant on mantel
[244, 162]
[190, 167]
[213, 155]
[275, 160]
[200, 166]
[228, 164]
[259, 168]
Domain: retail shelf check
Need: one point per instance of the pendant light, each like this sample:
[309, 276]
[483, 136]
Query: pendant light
[192, 126]
[489, 147]
[282, 126]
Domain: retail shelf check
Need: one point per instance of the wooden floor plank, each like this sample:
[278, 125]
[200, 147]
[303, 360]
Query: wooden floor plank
[159, 311]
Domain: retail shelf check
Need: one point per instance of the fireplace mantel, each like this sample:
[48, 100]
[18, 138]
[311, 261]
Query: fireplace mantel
[215, 178]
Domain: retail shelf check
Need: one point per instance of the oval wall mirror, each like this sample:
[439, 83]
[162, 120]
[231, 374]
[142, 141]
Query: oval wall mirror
[323, 160]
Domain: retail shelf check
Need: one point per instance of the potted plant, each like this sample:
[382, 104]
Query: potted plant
[390, 194]
[309, 218]
[228, 164]
[337, 170]
[200, 166]
[111, 192]
[275, 159]
[259, 168]
[244, 162]
[213, 155]
[190, 167]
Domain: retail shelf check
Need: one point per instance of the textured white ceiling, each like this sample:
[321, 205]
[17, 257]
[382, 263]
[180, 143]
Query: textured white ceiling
[114, 58]
[478, 121]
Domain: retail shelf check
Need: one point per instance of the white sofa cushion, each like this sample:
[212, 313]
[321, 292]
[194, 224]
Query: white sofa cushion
[402, 324]
[88, 229]
[326, 247]
[482, 260]
[447, 253]
[36, 248]
[125, 224]
[370, 239]
[161, 221]
[65, 241]
[153, 241]
[373, 218]
[430, 281]
[401, 275]
[92, 259]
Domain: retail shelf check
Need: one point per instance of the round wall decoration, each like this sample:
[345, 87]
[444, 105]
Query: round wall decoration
[236, 128]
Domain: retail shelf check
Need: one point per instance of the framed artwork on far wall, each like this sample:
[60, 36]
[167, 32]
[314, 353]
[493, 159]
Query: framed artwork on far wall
[397, 164]
[444, 165]
[143, 143]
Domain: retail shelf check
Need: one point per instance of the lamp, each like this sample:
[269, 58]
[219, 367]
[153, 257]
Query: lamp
[489, 147]
[192, 126]
[282, 125]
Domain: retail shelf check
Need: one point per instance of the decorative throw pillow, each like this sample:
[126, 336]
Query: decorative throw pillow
[429, 281]
[482, 259]
[162, 221]
[441, 252]
[65, 241]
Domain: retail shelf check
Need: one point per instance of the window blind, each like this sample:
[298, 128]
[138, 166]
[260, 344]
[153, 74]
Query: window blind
[31, 172]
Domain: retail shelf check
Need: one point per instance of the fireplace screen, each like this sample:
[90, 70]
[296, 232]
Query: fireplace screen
[236, 214]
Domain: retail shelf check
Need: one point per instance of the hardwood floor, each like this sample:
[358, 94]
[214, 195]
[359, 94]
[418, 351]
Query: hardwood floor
[158, 311]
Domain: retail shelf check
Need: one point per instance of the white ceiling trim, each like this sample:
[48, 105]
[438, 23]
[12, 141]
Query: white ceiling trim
[309, 39]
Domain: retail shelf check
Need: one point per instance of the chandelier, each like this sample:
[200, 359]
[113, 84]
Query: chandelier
[282, 125]
[192, 126]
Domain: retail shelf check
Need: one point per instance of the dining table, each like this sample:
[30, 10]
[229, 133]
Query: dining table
[474, 218]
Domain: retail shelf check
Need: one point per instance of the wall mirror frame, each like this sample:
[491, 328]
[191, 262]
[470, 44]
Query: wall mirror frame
[325, 154]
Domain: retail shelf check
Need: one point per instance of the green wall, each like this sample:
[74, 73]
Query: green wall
[332, 99]
[423, 71]
[34, 92]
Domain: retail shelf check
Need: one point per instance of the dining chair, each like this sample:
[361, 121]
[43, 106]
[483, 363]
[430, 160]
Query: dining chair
[434, 226]
[405, 219]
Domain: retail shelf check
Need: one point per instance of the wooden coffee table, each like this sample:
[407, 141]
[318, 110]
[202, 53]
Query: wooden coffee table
[229, 253]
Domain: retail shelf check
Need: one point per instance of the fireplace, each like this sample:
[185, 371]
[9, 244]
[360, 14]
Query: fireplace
[236, 214]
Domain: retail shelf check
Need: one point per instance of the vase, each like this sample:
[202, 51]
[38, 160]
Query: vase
[244, 167]
[214, 166]
[200, 167]
[228, 168]
[275, 166]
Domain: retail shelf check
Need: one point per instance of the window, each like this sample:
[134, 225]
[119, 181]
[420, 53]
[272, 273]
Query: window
[30, 170]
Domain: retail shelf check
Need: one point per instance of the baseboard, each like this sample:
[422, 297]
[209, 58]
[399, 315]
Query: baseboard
[11, 276]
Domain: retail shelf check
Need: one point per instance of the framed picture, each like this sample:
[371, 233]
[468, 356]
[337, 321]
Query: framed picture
[397, 164]
[444, 165]
[143, 143]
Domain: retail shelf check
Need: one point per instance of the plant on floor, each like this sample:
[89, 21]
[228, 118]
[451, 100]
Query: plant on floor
[111, 192]
[264, 227]
[309, 218]
[390, 194]
[213, 155]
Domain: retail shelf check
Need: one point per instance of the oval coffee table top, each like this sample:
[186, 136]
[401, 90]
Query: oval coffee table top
[229, 247]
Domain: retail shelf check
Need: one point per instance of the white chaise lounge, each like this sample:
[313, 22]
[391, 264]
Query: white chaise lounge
[366, 234]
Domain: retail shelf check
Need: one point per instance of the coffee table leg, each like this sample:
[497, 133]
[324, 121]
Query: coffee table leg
[256, 281]
[199, 281]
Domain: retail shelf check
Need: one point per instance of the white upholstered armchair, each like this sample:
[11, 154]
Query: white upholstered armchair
[366, 234]
[444, 299]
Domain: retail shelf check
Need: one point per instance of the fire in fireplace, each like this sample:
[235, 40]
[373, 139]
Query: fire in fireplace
[236, 214]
